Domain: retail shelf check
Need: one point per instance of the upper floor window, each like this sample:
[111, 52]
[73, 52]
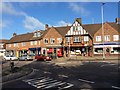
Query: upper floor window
[46, 41]
[23, 44]
[86, 38]
[35, 42]
[59, 40]
[115, 37]
[67, 39]
[9, 45]
[98, 38]
[73, 28]
[38, 34]
[107, 37]
[15, 44]
[31, 43]
[52, 40]
[35, 34]
[77, 39]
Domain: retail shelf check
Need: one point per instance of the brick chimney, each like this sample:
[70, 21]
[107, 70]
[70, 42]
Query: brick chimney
[14, 34]
[46, 26]
[79, 20]
[117, 20]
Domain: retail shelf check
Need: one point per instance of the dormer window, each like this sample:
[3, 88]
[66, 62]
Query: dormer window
[38, 34]
[35, 34]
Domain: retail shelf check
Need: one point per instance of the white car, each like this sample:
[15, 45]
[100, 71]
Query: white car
[10, 58]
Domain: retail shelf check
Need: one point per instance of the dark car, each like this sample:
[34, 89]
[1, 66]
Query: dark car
[42, 57]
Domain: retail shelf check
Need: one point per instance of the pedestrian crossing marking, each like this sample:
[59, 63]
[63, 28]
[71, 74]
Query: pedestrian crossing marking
[46, 83]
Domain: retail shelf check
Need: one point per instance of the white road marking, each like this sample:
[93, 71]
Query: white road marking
[70, 85]
[55, 83]
[60, 63]
[47, 72]
[115, 87]
[63, 76]
[46, 82]
[33, 79]
[107, 65]
[86, 81]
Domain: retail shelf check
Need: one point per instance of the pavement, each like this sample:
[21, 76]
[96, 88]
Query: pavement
[14, 76]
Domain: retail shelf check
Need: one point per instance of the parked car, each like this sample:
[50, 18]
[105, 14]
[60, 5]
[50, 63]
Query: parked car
[25, 57]
[8, 57]
[42, 57]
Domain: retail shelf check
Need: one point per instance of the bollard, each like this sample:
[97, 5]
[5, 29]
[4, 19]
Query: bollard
[12, 66]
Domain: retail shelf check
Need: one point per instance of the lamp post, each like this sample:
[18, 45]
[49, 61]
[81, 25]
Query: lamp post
[102, 11]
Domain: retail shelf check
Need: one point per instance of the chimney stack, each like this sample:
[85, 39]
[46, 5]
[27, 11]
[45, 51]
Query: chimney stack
[46, 26]
[79, 20]
[14, 34]
[117, 20]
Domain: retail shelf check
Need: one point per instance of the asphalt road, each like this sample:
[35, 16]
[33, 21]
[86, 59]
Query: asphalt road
[85, 75]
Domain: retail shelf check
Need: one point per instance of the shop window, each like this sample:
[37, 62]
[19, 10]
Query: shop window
[116, 50]
[98, 50]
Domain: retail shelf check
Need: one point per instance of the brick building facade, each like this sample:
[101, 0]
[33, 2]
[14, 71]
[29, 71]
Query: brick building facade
[79, 39]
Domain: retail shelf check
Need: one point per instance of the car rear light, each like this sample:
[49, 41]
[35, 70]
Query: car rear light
[47, 57]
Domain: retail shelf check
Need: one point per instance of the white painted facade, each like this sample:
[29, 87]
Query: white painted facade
[76, 29]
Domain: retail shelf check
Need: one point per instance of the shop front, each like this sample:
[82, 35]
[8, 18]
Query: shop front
[109, 48]
[55, 52]
[34, 51]
[23, 51]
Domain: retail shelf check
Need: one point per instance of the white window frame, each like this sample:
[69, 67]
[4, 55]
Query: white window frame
[107, 38]
[38, 34]
[77, 39]
[23, 44]
[115, 37]
[31, 42]
[59, 40]
[45, 42]
[67, 39]
[35, 42]
[51, 40]
[9, 45]
[98, 38]
[86, 38]
[15, 44]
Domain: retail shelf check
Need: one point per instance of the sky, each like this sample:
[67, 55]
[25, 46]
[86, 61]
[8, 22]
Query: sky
[24, 17]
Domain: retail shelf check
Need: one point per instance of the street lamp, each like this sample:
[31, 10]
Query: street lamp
[103, 31]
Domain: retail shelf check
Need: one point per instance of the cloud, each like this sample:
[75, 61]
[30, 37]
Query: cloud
[9, 9]
[78, 8]
[4, 24]
[29, 22]
[32, 23]
[63, 23]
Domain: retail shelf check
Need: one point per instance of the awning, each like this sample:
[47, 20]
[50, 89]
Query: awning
[32, 49]
[23, 49]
